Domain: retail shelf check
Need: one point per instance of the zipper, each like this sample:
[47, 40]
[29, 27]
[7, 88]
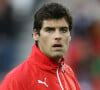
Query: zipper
[63, 68]
[59, 79]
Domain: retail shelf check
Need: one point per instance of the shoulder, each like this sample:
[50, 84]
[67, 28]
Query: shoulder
[19, 70]
[68, 69]
[14, 76]
[71, 74]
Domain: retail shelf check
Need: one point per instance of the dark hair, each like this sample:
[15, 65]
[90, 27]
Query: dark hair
[51, 11]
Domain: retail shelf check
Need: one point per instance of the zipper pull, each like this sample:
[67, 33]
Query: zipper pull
[63, 68]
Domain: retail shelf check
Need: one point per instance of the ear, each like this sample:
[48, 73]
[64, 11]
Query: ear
[35, 35]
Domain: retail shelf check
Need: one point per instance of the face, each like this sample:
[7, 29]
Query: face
[54, 38]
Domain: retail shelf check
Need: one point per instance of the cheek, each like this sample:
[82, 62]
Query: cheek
[67, 39]
[66, 42]
[45, 41]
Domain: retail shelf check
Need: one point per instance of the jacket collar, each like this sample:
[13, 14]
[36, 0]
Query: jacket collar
[44, 62]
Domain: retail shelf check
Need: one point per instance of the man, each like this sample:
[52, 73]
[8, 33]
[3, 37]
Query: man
[45, 68]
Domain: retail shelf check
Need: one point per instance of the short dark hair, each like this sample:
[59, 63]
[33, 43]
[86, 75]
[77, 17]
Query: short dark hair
[51, 11]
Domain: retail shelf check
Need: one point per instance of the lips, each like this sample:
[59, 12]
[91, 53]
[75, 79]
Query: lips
[57, 47]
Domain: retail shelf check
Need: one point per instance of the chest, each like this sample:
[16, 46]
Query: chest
[45, 80]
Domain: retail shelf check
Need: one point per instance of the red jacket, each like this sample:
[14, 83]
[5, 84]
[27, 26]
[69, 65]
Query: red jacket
[40, 73]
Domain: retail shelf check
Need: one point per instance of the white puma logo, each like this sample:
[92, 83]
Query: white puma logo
[43, 82]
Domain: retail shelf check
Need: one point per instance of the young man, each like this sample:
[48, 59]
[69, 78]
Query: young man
[45, 68]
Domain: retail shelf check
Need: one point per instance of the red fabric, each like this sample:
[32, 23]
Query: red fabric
[38, 67]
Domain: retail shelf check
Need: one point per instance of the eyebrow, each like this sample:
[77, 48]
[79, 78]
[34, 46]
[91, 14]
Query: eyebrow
[64, 27]
[54, 27]
[49, 28]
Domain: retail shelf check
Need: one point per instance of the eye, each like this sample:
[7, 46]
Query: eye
[49, 30]
[64, 29]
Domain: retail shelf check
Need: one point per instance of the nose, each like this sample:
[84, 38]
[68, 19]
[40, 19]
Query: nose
[57, 35]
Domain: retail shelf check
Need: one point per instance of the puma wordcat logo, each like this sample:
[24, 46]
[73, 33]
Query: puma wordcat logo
[43, 82]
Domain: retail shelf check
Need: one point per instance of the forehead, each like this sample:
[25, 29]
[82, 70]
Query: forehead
[55, 23]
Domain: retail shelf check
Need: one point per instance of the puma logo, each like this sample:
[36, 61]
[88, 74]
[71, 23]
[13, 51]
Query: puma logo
[43, 82]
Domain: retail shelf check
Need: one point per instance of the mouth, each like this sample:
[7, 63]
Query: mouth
[57, 47]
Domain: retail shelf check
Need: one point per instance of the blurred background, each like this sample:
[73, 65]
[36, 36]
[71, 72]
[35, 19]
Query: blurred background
[16, 23]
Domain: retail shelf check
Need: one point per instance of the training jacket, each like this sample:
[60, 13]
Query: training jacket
[40, 73]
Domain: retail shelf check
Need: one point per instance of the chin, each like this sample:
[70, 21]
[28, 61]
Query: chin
[58, 55]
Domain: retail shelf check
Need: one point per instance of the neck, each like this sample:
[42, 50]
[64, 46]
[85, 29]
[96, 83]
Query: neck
[56, 59]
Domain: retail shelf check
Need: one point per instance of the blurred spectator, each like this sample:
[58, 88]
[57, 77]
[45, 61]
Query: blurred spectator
[95, 46]
[6, 36]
